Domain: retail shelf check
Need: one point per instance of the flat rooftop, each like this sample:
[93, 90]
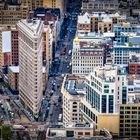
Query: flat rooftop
[6, 41]
[126, 45]
[14, 69]
[74, 85]
[79, 125]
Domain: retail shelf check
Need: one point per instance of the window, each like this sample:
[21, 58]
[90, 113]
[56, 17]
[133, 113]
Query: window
[74, 103]
[74, 110]
[112, 91]
[80, 133]
[134, 116]
[121, 112]
[134, 112]
[106, 86]
[103, 103]
[111, 103]
[127, 108]
[87, 133]
[70, 133]
[74, 106]
[134, 107]
[121, 107]
[106, 90]
[124, 94]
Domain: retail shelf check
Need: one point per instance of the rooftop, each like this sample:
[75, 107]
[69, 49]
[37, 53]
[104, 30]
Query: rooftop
[126, 45]
[93, 38]
[74, 85]
[31, 25]
[134, 59]
[44, 11]
[109, 72]
[84, 19]
[14, 69]
[6, 41]
[79, 125]
[131, 78]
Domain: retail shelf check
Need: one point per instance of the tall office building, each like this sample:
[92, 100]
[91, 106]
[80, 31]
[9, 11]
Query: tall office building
[105, 90]
[30, 64]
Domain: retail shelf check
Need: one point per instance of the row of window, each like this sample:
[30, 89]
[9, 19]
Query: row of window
[90, 114]
[93, 97]
[110, 104]
[130, 108]
[93, 63]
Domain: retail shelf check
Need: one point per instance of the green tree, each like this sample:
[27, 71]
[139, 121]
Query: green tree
[6, 132]
[130, 44]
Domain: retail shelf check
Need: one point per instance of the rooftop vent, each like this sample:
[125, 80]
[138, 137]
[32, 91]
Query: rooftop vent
[34, 21]
[29, 20]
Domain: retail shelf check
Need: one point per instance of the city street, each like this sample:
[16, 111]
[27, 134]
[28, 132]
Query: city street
[52, 103]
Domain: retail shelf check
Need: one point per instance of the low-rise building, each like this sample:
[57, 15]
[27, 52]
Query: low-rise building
[5, 49]
[9, 45]
[125, 30]
[99, 22]
[49, 16]
[72, 91]
[88, 53]
[75, 131]
[134, 65]
[130, 120]
[13, 77]
[83, 25]
[48, 47]
[122, 53]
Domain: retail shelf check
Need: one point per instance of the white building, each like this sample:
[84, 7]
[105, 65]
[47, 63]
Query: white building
[72, 91]
[105, 90]
[30, 64]
[73, 131]
[87, 54]
[84, 23]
